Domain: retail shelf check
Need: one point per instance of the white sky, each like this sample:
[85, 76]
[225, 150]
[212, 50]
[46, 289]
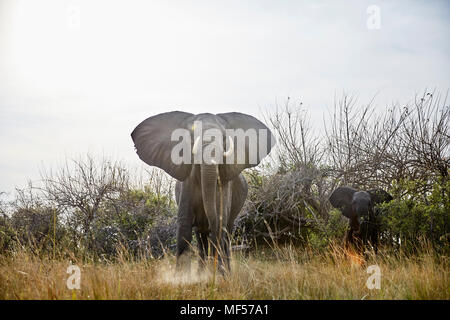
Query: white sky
[78, 76]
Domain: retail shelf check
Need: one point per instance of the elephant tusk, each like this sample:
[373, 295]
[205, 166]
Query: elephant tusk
[231, 150]
[195, 147]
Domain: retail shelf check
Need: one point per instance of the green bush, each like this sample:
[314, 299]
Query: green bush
[141, 221]
[135, 220]
[419, 211]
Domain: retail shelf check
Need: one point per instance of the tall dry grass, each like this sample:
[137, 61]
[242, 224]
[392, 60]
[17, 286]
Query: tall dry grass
[279, 273]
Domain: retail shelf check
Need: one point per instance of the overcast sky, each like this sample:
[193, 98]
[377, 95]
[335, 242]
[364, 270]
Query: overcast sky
[78, 76]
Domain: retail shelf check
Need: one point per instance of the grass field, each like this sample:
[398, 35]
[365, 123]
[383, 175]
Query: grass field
[283, 273]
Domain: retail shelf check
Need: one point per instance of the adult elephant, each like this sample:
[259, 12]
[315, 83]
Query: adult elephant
[359, 208]
[206, 153]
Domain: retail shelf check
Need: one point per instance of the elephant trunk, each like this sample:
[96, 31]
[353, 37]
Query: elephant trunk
[209, 191]
[355, 223]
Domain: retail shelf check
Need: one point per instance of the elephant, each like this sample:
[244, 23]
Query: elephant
[359, 208]
[210, 190]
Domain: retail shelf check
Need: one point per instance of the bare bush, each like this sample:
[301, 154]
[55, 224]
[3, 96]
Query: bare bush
[368, 150]
[276, 209]
[297, 146]
[281, 206]
[426, 135]
[365, 147]
[81, 187]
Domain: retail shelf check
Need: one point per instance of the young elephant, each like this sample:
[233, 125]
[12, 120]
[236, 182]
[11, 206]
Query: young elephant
[206, 153]
[358, 207]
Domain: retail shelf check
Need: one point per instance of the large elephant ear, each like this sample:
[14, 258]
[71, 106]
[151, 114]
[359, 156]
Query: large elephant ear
[341, 199]
[153, 143]
[253, 151]
[379, 196]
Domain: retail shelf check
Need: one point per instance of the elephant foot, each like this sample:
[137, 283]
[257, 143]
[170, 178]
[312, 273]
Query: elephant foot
[223, 266]
[184, 264]
[201, 266]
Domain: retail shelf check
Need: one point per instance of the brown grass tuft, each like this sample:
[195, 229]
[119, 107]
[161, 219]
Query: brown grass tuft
[286, 273]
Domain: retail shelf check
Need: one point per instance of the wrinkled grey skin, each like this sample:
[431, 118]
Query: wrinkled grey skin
[202, 189]
[358, 207]
[192, 214]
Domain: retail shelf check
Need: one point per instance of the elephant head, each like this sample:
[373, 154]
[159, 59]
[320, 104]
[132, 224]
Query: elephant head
[358, 207]
[157, 141]
[206, 154]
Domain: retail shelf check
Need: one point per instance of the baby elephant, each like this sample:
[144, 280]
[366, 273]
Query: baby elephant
[358, 206]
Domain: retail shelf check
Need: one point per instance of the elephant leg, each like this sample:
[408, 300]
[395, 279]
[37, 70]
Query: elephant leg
[239, 190]
[358, 242]
[184, 231]
[374, 240]
[231, 210]
[352, 240]
[184, 238]
[220, 250]
[349, 239]
[225, 258]
[202, 244]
